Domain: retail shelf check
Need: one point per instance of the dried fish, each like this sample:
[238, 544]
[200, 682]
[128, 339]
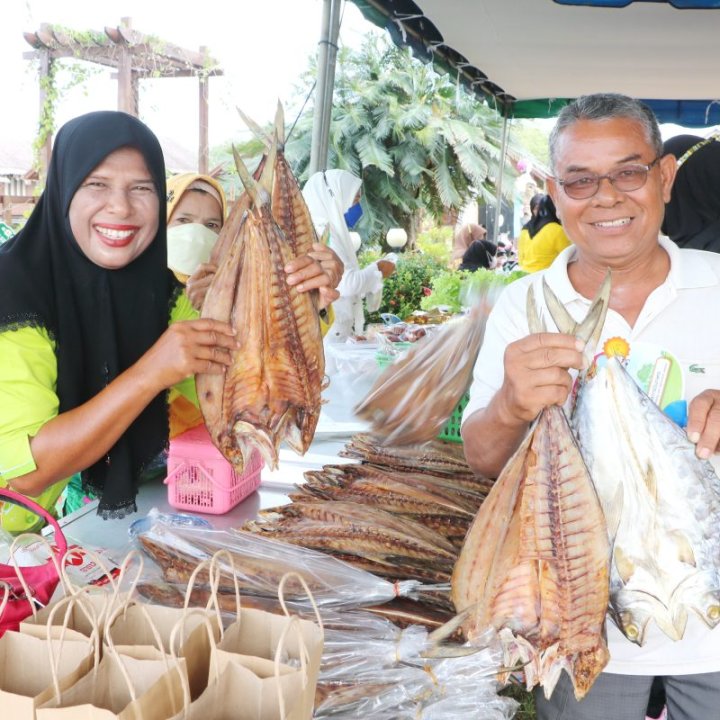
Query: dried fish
[271, 392]
[662, 505]
[412, 400]
[436, 456]
[535, 564]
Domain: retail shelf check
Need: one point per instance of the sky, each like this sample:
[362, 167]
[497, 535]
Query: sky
[262, 46]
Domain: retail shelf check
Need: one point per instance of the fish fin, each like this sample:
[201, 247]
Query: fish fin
[564, 321]
[280, 124]
[590, 329]
[685, 552]
[252, 187]
[535, 323]
[625, 566]
[613, 512]
[650, 479]
[256, 130]
[602, 297]
[268, 173]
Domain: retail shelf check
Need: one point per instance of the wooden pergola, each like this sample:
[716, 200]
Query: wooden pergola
[135, 56]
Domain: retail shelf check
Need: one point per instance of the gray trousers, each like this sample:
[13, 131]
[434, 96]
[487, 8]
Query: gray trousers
[625, 697]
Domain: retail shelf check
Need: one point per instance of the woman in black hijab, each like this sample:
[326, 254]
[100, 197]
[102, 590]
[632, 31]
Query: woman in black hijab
[85, 301]
[692, 217]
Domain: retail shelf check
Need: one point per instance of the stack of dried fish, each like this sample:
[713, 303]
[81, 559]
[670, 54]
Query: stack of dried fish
[442, 504]
[412, 400]
[368, 537]
[436, 457]
[271, 392]
[535, 564]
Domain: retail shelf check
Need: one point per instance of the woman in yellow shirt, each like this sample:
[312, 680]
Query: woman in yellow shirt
[542, 238]
[87, 339]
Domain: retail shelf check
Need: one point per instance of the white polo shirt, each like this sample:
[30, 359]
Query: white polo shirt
[682, 317]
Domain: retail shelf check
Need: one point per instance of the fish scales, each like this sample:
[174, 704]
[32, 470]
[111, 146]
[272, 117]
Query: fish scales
[662, 505]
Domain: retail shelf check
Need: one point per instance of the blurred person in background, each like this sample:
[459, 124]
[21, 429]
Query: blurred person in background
[465, 235]
[333, 198]
[692, 217]
[542, 238]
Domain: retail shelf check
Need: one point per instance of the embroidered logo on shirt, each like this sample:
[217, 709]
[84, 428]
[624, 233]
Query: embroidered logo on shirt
[698, 369]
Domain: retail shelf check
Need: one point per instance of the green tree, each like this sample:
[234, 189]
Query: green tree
[421, 143]
[417, 138]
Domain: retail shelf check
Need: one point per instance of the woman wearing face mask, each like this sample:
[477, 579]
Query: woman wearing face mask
[333, 198]
[196, 210]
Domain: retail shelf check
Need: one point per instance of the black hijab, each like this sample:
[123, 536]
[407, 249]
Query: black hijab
[101, 320]
[692, 217]
[545, 214]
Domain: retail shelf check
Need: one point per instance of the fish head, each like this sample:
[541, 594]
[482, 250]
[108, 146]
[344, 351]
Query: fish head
[632, 622]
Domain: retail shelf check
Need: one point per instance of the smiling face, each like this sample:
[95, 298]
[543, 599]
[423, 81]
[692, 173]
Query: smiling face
[613, 228]
[197, 206]
[114, 214]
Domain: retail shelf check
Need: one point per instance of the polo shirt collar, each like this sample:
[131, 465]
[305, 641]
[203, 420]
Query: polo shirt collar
[688, 269]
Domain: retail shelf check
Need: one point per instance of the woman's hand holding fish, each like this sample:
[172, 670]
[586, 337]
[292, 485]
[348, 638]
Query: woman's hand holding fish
[187, 348]
[703, 426]
[198, 284]
[536, 375]
[321, 269]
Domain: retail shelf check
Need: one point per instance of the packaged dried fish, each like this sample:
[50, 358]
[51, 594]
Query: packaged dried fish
[260, 563]
[412, 400]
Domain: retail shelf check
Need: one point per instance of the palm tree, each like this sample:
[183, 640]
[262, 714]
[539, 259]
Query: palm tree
[420, 142]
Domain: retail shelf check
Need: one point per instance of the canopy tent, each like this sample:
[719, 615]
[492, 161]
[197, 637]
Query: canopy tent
[532, 56]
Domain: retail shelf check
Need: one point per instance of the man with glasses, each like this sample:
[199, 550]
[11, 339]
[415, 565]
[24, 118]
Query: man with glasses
[611, 182]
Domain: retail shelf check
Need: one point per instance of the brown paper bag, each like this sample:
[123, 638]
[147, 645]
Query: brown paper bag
[249, 693]
[82, 620]
[257, 635]
[142, 624]
[121, 688]
[99, 600]
[26, 671]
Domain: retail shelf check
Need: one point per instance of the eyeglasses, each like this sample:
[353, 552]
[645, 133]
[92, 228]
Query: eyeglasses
[583, 185]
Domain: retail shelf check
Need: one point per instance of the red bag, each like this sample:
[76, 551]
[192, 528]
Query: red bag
[39, 580]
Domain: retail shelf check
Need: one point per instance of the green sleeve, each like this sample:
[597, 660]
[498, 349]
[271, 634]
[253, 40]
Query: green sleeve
[28, 379]
[183, 310]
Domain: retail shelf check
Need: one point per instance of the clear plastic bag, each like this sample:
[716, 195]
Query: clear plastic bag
[259, 564]
[412, 400]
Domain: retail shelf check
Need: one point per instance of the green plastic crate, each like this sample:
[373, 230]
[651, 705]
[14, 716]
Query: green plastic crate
[451, 429]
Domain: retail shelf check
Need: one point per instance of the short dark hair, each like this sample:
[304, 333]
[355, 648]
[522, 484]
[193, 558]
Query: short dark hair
[606, 106]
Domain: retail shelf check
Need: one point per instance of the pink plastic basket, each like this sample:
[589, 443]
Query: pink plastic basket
[200, 479]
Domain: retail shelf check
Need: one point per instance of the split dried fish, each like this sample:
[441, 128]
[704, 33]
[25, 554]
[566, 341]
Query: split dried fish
[535, 564]
[436, 456]
[271, 392]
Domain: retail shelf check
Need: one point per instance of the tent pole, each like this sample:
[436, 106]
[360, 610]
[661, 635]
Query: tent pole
[327, 54]
[498, 198]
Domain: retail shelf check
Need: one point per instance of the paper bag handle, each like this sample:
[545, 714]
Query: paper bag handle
[178, 627]
[6, 596]
[70, 601]
[53, 558]
[122, 609]
[306, 587]
[294, 622]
